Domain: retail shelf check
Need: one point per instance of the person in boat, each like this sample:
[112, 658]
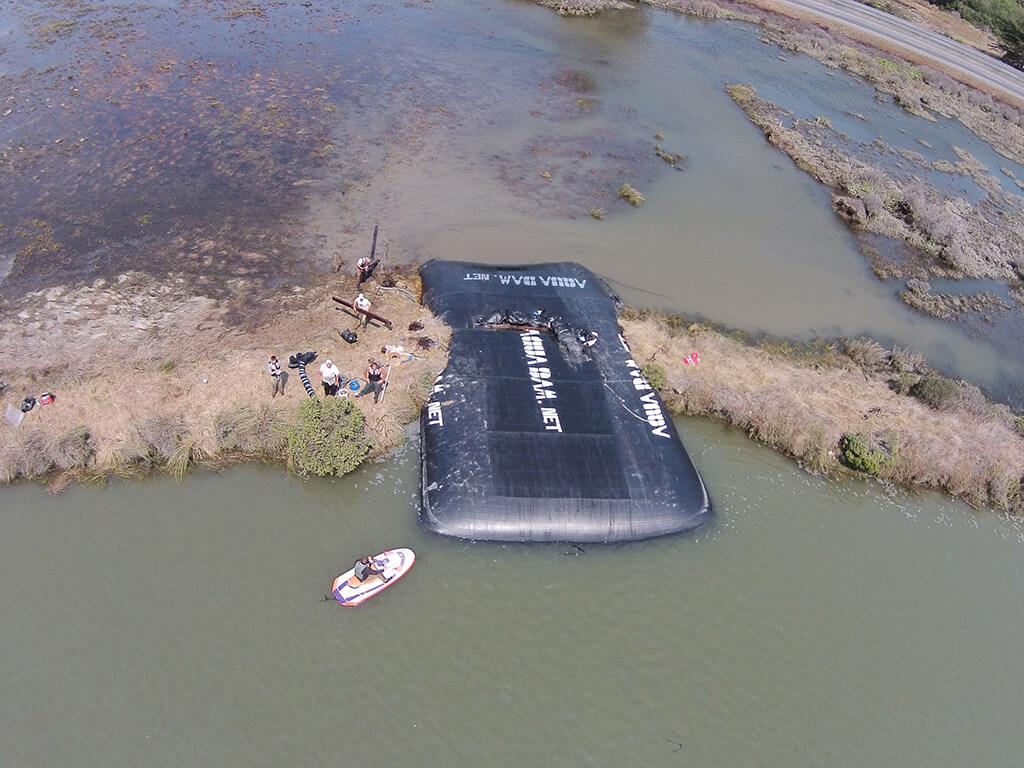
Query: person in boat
[366, 569]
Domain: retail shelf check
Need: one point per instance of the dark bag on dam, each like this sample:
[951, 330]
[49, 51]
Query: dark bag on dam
[530, 435]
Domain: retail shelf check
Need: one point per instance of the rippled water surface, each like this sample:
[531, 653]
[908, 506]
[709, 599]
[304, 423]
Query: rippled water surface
[813, 623]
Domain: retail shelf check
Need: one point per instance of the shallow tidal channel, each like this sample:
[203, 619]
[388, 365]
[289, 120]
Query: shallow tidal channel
[813, 623]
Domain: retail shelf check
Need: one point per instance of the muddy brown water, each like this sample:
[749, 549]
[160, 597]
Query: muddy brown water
[813, 623]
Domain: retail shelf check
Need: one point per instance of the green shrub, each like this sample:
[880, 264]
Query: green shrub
[901, 384]
[329, 439]
[655, 375]
[938, 392]
[867, 453]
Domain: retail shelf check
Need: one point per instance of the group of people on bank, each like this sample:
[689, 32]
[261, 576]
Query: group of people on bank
[333, 380]
[331, 377]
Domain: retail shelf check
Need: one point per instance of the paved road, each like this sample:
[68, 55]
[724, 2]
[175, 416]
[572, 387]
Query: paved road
[951, 55]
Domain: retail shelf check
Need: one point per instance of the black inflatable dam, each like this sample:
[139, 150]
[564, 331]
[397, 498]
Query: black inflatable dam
[542, 427]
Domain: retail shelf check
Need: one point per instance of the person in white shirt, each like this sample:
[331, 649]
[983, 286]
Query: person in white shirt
[331, 378]
[362, 306]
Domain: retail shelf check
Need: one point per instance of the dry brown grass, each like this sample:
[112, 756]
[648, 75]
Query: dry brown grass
[252, 430]
[804, 405]
[135, 413]
[128, 362]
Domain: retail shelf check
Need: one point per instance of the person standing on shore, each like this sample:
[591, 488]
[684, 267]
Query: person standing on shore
[330, 376]
[365, 267]
[276, 376]
[362, 307]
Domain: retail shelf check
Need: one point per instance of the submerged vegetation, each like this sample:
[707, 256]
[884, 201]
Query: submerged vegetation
[954, 237]
[630, 195]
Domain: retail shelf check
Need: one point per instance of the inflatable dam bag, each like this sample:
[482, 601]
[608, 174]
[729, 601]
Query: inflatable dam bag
[542, 426]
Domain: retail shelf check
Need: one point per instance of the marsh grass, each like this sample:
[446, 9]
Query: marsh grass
[806, 400]
[584, 8]
[955, 236]
[28, 455]
[35, 454]
[160, 436]
[260, 430]
[907, 361]
[867, 353]
[73, 449]
[129, 459]
[812, 446]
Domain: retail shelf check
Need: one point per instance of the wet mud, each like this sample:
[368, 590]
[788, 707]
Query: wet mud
[190, 139]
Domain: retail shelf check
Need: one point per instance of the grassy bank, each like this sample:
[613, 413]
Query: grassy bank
[148, 379]
[183, 400]
[841, 408]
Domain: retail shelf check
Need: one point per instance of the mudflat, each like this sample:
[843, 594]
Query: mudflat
[139, 362]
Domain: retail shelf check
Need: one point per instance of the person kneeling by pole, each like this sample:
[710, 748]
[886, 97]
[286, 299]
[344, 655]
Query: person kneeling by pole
[374, 381]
